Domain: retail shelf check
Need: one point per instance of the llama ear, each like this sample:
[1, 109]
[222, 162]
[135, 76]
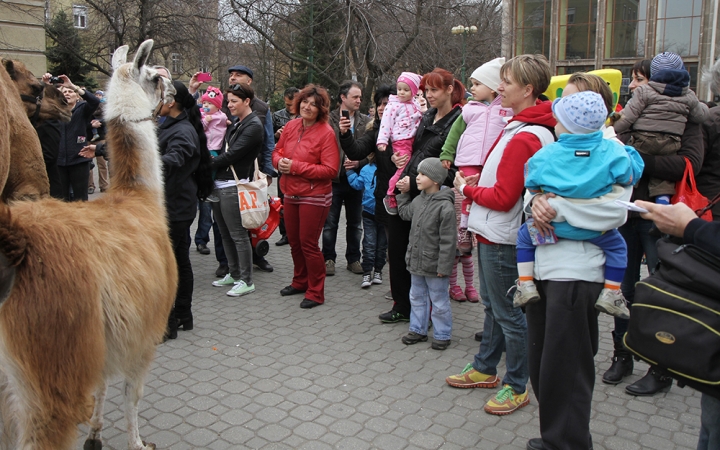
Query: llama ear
[119, 56]
[143, 53]
[10, 67]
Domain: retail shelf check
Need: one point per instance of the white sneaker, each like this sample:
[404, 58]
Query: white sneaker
[241, 288]
[367, 281]
[612, 301]
[227, 281]
[377, 278]
[525, 293]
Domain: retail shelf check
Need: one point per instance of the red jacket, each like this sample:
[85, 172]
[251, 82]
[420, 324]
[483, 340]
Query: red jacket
[315, 158]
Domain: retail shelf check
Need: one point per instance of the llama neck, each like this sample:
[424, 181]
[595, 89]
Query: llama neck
[133, 150]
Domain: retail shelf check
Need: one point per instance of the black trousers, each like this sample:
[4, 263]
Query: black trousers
[75, 177]
[179, 237]
[398, 232]
[562, 344]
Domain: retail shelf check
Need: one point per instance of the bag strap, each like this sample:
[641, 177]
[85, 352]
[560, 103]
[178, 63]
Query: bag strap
[256, 175]
[689, 177]
[710, 204]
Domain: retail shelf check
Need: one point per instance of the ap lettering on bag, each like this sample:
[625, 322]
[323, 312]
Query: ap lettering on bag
[244, 205]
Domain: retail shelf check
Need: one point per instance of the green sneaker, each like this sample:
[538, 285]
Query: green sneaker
[227, 281]
[507, 401]
[241, 288]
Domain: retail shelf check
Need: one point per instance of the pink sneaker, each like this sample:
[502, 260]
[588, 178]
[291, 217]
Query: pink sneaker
[471, 294]
[456, 294]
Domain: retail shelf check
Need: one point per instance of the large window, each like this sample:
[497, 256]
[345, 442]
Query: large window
[678, 27]
[80, 16]
[533, 26]
[625, 28]
[176, 63]
[577, 29]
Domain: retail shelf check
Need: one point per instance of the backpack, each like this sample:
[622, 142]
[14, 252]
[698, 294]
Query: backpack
[675, 318]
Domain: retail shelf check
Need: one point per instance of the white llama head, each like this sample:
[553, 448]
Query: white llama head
[156, 87]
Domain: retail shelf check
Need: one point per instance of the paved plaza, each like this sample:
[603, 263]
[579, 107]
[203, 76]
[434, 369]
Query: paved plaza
[259, 372]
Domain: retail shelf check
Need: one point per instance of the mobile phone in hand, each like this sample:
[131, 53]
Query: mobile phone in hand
[345, 114]
[204, 77]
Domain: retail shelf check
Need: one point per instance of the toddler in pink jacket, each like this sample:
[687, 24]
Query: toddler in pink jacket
[483, 119]
[399, 123]
[213, 119]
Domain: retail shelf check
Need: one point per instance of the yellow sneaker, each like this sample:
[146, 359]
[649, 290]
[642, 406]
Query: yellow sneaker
[507, 401]
[471, 378]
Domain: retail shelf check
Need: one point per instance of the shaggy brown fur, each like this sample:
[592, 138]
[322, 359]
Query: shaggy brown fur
[93, 286]
[25, 177]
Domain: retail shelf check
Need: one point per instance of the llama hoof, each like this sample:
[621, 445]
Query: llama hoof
[92, 444]
[148, 445]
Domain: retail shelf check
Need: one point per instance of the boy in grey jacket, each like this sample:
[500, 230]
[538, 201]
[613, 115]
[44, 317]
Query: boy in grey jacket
[430, 254]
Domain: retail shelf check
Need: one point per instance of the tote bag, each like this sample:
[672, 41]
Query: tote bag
[686, 192]
[253, 199]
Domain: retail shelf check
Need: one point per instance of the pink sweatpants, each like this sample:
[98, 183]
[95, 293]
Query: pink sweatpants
[401, 148]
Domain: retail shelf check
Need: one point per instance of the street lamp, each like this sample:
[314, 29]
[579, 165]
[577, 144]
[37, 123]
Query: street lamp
[461, 29]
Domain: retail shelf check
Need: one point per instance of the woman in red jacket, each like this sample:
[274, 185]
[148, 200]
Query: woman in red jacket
[308, 157]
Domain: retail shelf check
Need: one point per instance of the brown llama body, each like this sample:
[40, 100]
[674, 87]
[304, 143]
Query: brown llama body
[25, 176]
[92, 284]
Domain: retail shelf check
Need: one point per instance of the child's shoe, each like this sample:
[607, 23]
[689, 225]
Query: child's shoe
[413, 338]
[457, 294]
[390, 205]
[366, 281]
[471, 294]
[612, 301]
[440, 344]
[525, 293]
[212, 198]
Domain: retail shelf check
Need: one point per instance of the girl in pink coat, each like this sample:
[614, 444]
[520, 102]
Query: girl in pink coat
[399, 123]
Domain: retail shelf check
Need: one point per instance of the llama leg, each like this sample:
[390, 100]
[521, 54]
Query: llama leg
[133, 394]
[94, 440]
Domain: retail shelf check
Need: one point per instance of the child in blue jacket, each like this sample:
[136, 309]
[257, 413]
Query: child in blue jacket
[374, 243]
[580, 165]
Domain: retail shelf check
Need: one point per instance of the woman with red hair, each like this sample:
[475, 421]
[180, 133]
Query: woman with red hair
[308, 158]
[444, 94]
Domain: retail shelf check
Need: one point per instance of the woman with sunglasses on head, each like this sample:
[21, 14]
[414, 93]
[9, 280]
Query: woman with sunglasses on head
[243, 142]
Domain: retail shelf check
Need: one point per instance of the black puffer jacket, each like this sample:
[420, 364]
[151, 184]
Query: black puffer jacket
[428, 143]
[243, 144]
[178, 142]
[708, 180]
[357, 150]
[73, 135]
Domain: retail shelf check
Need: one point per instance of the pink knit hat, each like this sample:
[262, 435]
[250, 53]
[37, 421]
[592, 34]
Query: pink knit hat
[412, 80]
[213, 95]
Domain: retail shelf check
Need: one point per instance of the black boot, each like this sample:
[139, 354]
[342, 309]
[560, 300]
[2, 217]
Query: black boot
[622, 364]
[652, 383]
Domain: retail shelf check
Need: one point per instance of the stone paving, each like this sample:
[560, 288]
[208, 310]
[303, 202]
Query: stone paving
[259, 372]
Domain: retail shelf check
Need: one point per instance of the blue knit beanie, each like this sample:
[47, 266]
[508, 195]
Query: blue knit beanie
[665, 61]
[581, 113]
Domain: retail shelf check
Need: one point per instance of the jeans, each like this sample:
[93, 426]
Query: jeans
[235, 238]
[374, 246]
[636, 232]
[178, 237]
[75, 177]
[505, 327]
[303, 224]
[425, 291]
[202, 235]
[343, 193]
[709, 423]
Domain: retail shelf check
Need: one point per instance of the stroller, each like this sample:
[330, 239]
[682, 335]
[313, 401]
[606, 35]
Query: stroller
[259, 236]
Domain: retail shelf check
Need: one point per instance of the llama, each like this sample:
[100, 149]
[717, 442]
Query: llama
[72, 316]
[27, 178]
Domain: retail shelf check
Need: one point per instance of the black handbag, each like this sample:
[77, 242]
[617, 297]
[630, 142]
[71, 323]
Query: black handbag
[675, 318]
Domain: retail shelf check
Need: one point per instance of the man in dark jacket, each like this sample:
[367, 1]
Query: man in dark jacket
[350, 97]
[679, 220]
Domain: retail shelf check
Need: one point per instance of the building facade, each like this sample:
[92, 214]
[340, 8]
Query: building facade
[581, 35]
[22, 33]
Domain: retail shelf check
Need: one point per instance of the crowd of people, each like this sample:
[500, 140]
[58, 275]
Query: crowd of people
[434, 174]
